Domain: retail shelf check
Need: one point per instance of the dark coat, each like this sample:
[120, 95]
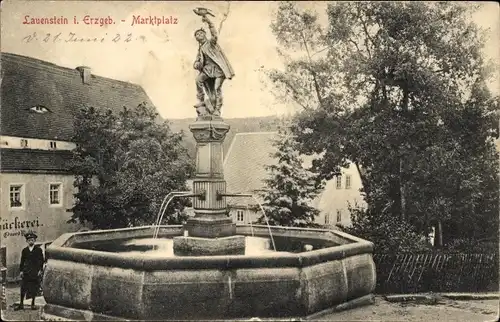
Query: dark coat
[31, 262]
[31, 265]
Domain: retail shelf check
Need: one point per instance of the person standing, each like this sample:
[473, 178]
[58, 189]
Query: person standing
[31, 269]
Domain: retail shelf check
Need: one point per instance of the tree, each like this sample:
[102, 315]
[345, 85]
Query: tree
[290, 187]
[124, 165]
[397, 89]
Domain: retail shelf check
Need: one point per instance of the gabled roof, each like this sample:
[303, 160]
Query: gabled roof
[245, 163]
[28, 82]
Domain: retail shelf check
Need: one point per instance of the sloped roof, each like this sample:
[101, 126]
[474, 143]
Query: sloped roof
[29, 82]
[245, 169]
[245, 163]
[237, 125]
[28, 160]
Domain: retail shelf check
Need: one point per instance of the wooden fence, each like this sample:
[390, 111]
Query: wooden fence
[436, 272]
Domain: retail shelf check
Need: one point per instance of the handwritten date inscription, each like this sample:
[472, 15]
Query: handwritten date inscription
[72, 37]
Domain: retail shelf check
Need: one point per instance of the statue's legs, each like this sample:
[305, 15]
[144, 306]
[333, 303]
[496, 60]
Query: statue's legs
[200, 80]
[218, 94]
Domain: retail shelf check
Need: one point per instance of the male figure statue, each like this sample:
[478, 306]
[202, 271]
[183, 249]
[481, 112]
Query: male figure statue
[214, 68]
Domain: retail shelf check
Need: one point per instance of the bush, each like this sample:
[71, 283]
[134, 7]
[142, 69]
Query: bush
[388, 234]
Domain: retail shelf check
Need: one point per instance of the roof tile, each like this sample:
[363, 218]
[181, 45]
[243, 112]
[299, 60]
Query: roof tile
[30, 160]
[27, 82]
[245, 163]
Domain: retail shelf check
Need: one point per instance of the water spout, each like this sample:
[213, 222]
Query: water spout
[168, 196]
[251, 225]
[220, 195]
[267, 221]
[230, 287]
[166, 201]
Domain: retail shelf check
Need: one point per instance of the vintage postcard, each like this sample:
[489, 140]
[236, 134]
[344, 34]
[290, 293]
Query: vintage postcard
[246, 160]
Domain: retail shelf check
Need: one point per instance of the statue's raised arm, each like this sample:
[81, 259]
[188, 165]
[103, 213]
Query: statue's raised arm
[211, 27]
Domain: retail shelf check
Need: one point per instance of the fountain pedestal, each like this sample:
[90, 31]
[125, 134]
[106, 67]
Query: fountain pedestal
[210, 231]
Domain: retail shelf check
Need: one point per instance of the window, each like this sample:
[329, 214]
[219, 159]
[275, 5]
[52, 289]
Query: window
[327, 219]
[24, 143]
[339, 182]
[53, 145]
[39, 109]
[348, 182]
[55, 193]
[239, 215]
[16, 196]
[339, 216]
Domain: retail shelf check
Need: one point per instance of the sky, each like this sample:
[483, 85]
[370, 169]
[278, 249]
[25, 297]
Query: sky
[160, 57]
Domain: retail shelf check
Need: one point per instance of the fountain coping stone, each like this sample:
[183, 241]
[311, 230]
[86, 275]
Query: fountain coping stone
[61, 249]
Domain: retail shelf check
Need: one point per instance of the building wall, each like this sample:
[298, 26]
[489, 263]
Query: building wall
[333, 200]
[14, 142]
[48, 221]
[330, 201]
[243, 215]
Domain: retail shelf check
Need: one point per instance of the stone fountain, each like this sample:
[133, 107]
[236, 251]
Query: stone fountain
[206, 271]
[210, 231]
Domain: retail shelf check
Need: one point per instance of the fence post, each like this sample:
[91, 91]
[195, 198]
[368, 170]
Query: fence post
[3, 272]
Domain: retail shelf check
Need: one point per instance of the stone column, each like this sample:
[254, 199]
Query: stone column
[210, 231]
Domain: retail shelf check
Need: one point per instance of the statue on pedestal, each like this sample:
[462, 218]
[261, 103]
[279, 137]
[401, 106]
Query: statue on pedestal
[213, 67]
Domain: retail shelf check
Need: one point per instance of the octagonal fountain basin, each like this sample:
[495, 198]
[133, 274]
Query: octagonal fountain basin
[124, 274]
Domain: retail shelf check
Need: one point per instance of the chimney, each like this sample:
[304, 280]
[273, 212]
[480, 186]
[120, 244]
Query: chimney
[85, 73]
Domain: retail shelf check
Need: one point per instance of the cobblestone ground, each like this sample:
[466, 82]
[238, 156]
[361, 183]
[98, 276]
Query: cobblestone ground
[12, 296]
[447, 310]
